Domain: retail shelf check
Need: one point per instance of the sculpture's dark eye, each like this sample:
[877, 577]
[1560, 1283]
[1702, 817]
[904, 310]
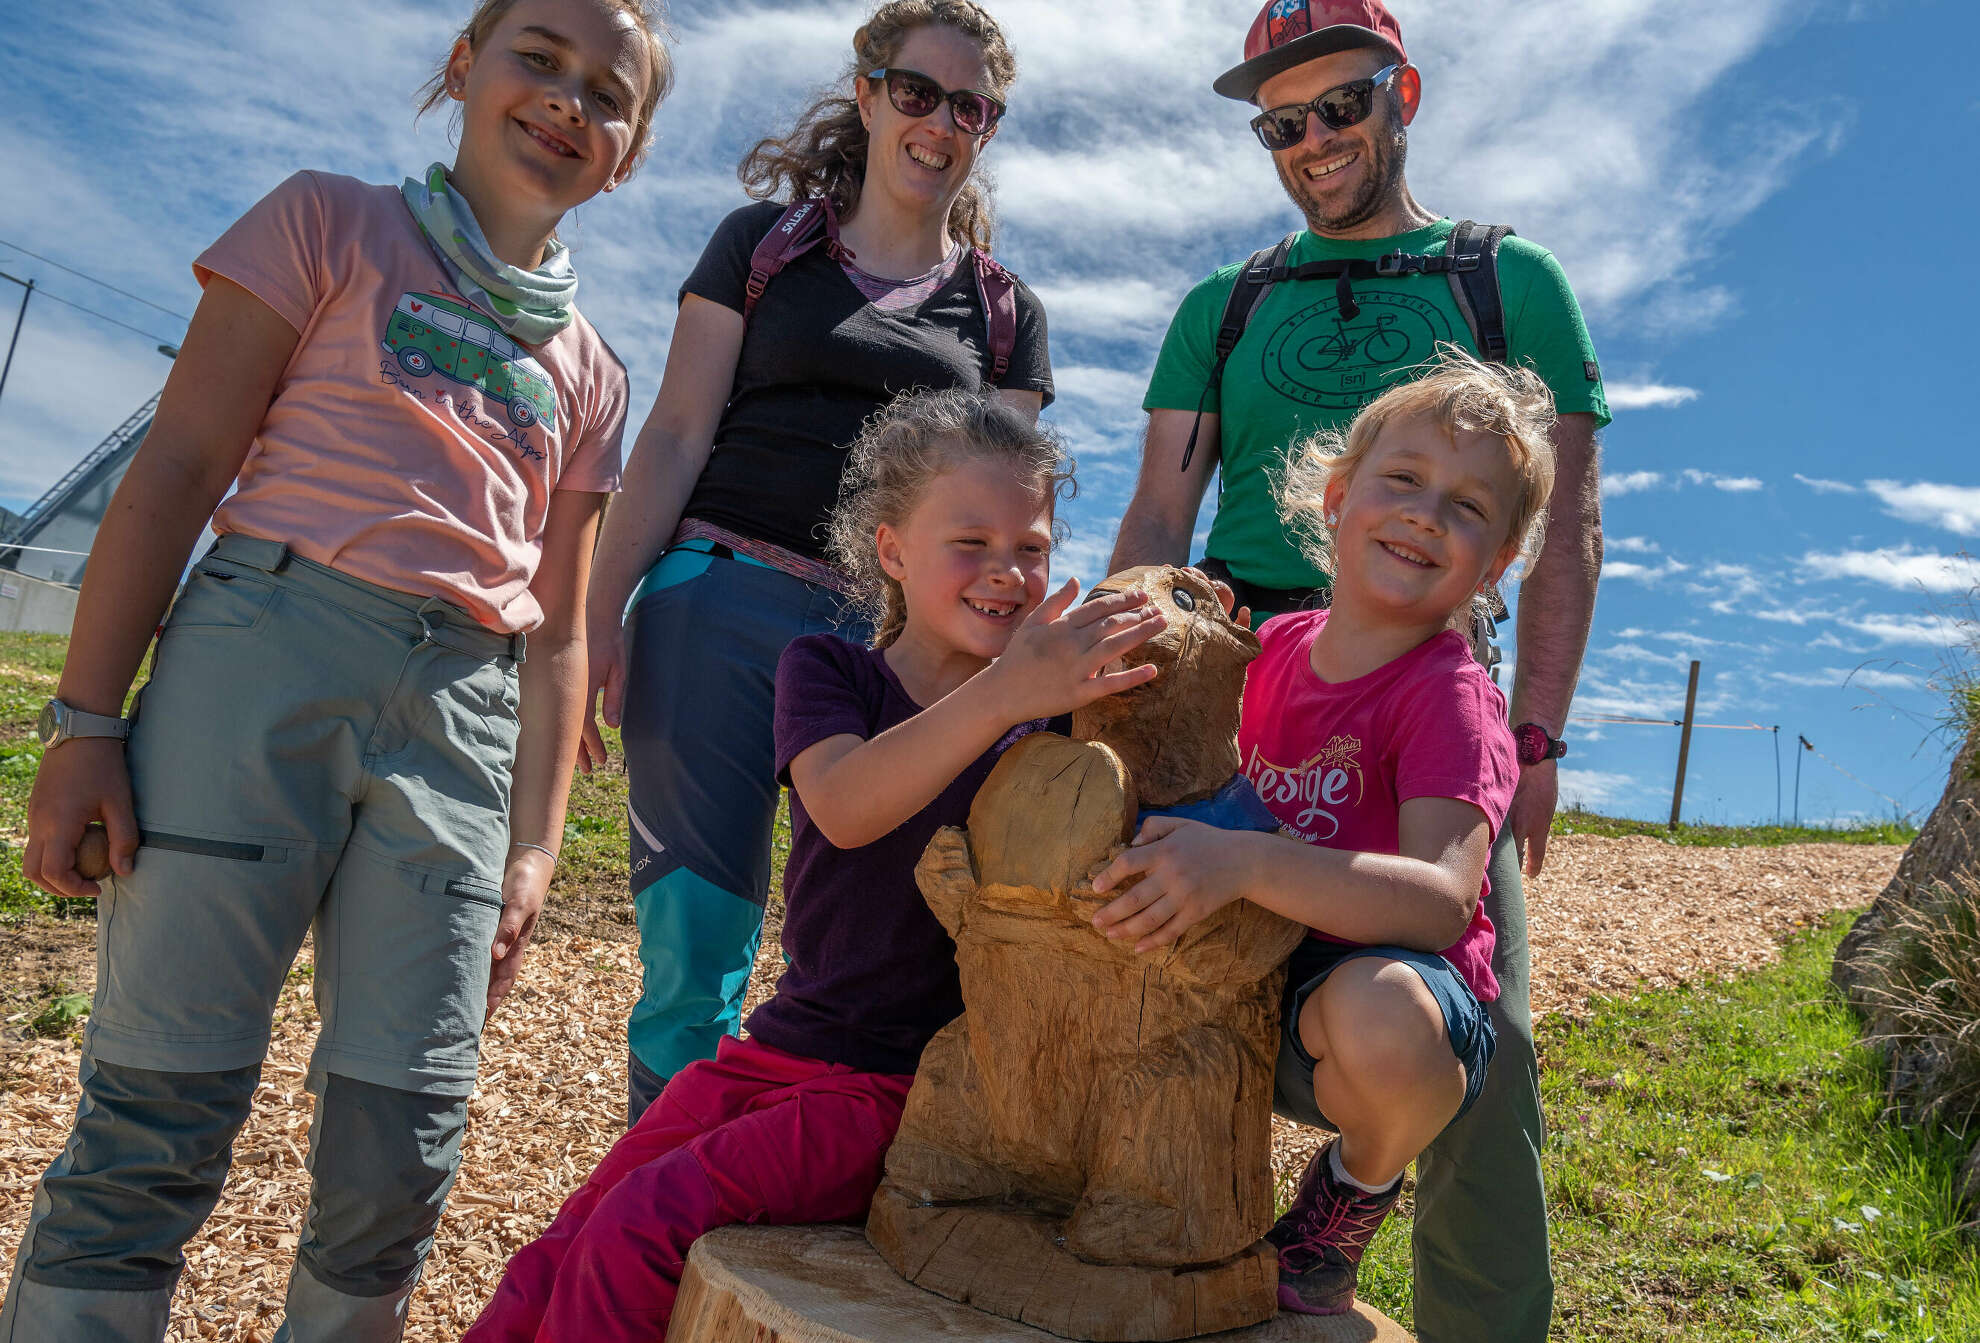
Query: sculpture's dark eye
[1184, 600]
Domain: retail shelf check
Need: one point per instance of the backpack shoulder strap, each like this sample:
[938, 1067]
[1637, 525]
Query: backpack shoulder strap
[796, 232]
[1266, 267]
[997, 288]
[1473, 251]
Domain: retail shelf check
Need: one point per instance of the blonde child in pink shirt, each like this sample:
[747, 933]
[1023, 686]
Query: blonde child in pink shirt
[343, 730]
[1375, 738]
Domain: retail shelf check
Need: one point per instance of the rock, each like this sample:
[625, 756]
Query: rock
[1948, 842]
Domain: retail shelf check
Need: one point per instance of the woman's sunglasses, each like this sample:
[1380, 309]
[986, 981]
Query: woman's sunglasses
[914, 94]
[1338, 108]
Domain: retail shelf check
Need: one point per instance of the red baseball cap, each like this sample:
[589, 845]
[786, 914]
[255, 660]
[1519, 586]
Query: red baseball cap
[1291, 32]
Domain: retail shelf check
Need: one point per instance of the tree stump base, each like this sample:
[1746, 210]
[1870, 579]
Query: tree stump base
[826, 1284]
[1013, 1265]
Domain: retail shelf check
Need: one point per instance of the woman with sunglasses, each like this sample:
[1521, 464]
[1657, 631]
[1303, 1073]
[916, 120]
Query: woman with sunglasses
[718, 542]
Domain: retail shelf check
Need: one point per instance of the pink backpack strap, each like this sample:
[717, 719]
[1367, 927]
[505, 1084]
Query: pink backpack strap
[796, 232]
[997, 288]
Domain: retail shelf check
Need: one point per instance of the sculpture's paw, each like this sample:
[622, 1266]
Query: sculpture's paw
[1083, 892]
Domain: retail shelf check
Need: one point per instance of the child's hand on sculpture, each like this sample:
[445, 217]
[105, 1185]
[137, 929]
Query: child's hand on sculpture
[1057, 657]
[1188, 872]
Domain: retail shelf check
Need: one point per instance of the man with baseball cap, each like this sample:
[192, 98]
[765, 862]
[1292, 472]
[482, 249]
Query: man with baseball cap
[1261, 354]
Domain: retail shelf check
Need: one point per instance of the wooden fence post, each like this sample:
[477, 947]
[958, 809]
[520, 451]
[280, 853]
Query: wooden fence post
[1684, 743]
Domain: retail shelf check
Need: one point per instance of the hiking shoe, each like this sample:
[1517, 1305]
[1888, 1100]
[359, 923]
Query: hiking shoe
[1322, 1237]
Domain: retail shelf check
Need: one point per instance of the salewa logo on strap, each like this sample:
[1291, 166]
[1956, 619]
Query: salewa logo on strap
[795, 219]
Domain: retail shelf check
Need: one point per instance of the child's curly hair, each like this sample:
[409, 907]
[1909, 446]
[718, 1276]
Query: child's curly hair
[902, 448]
[1459, 393]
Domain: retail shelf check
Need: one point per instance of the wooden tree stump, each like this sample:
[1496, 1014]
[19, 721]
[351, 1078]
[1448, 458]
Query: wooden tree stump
[825, 1284]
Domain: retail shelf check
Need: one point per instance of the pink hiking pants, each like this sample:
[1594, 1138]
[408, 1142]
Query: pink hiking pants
[756, 1135]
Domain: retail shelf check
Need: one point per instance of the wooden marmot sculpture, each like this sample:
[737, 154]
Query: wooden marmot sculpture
[1087, 1148]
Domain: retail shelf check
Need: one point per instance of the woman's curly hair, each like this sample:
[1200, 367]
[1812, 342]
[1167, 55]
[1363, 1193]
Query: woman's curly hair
[825, 153]
[901, 449]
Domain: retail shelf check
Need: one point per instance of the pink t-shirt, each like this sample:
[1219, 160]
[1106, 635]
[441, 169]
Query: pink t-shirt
[410, 443]
[1335, 761]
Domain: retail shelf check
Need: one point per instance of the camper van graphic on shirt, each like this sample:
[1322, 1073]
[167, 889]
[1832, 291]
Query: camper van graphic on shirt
[429, 334]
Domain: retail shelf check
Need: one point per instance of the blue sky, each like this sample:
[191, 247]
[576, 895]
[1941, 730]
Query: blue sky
[1763, 206]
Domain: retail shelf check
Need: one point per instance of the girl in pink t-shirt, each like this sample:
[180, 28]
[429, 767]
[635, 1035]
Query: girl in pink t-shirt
[341, 733]
[1373, 736]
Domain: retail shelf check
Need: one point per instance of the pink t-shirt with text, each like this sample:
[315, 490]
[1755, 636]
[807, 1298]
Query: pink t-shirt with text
[1335, 761]
[410, 443]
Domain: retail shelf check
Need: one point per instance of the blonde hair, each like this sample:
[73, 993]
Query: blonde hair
[1458, 393]
[824, 154]
[646, 13]
[900, 450]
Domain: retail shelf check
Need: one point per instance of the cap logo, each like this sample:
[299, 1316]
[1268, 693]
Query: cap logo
[1287, 19]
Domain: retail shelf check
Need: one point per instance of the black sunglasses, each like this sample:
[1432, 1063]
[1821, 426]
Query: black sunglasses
[1338, 108]
[914, 94]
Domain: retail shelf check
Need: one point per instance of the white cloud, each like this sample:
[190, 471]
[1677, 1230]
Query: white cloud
[1631, 545]
[1630, 482]
[1839, 678]
[1642, 573]
[1689, 638]
[1604, 157]
[1647, 395]
[1731, 484]
[1954, 508]
[1931, 630]
[1825, 486]
[1897, 567]
[1594, 788]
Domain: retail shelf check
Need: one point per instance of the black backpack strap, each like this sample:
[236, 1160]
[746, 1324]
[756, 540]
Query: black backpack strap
[1266, 268]
[1473, 251]
[997, 288]
[796, 232]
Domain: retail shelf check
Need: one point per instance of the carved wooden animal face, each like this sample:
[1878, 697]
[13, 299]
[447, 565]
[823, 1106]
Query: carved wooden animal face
[1178, 733]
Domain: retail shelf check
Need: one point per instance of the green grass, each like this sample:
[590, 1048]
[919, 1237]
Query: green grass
[1574, 821]
[30, 664]
[1719, 1168]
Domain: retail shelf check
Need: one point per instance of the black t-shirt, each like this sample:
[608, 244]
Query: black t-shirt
[816, 360]
[871, 973]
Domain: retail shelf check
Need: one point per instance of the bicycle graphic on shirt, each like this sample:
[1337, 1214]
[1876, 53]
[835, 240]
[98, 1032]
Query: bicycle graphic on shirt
[1379, 341]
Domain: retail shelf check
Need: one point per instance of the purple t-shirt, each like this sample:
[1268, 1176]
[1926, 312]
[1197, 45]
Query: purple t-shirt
[871, 973]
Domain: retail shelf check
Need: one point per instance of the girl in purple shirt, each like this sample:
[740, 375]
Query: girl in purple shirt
[947, 528]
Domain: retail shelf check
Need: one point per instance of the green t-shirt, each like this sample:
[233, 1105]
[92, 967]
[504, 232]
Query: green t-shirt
[1299, 369]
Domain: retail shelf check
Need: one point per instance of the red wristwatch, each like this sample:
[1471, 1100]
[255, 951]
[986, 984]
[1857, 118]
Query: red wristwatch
[1534, 745]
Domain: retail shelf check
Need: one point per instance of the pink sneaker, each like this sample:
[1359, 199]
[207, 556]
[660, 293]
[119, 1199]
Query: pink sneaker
[1322, 1237]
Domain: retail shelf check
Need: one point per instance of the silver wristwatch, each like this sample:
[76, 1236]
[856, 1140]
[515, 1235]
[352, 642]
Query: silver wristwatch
[59, 723]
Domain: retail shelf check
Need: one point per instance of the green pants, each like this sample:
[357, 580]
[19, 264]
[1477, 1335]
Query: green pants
[312, 753]
[1480, 1238]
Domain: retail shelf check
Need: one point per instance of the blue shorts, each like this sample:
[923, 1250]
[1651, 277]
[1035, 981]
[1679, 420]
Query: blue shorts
[1466, 1023]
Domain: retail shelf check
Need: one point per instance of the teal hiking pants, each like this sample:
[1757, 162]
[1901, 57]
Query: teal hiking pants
[703, 638]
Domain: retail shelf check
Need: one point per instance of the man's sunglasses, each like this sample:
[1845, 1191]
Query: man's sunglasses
[1338, 108]
[914, 94]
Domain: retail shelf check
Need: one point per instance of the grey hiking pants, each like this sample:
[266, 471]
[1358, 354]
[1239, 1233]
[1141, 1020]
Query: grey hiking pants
[312, 752]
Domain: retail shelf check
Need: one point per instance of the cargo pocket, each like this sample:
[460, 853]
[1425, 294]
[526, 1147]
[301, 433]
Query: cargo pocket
[461, 933]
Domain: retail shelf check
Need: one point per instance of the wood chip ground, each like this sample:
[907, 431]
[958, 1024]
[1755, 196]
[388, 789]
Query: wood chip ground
[1608, 916]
